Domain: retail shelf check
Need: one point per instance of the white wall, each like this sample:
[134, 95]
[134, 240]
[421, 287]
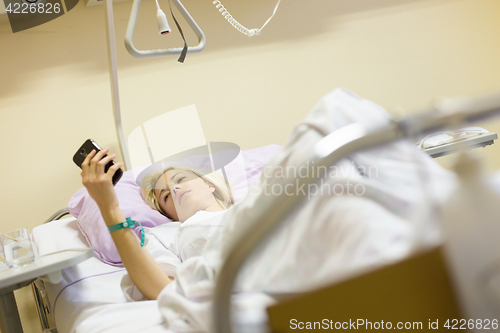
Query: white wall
[55, 93]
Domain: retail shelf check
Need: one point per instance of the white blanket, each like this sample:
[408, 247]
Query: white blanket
[332, 237]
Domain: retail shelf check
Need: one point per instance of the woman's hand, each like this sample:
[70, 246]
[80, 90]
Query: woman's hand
[98, 183]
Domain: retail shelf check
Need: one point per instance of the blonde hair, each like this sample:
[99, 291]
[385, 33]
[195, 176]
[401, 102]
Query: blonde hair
[222, 193]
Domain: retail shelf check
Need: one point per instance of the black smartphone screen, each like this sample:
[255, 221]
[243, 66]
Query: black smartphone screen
[85, 149]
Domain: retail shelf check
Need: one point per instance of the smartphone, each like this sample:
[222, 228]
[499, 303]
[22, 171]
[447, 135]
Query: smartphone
[85, 149]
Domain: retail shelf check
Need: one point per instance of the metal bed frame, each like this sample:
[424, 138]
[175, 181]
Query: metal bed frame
[353, 138]
[42, 308]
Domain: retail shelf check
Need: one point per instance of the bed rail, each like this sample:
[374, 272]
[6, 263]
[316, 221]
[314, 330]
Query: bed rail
[327, 152]
[57, 215]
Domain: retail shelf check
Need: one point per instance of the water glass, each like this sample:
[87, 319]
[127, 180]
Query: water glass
[3, 266]
[16, 248]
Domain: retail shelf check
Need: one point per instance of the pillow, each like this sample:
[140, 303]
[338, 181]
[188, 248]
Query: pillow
[242, 172]
[57, 236]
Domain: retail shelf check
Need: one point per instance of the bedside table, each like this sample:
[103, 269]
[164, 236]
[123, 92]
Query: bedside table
[47, 267]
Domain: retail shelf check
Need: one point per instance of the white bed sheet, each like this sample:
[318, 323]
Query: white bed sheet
[89, 298]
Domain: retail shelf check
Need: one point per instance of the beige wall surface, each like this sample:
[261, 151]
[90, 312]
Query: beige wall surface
[55, 91]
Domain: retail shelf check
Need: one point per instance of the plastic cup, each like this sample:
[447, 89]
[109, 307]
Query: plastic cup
[16, 248]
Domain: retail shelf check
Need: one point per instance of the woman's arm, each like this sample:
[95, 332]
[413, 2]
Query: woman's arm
[142, 268]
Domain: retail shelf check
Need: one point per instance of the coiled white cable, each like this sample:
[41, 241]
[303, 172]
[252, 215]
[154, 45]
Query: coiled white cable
[237, 25]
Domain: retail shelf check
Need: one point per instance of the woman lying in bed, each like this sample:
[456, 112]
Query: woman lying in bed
[177, 193]
[331, 237]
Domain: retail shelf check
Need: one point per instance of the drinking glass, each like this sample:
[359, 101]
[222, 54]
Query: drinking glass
[16, 248]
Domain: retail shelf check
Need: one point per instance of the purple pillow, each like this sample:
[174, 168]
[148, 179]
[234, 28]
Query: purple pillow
[241, 173]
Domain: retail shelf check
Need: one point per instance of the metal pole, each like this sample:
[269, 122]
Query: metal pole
[113, 76]
[10, 322]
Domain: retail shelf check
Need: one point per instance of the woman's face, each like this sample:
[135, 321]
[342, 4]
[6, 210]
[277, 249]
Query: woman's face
[184, 194]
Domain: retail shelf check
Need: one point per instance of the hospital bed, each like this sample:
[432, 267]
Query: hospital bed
[89, 298]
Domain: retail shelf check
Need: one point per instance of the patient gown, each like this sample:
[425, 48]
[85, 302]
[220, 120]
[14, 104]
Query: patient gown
[332, 236]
